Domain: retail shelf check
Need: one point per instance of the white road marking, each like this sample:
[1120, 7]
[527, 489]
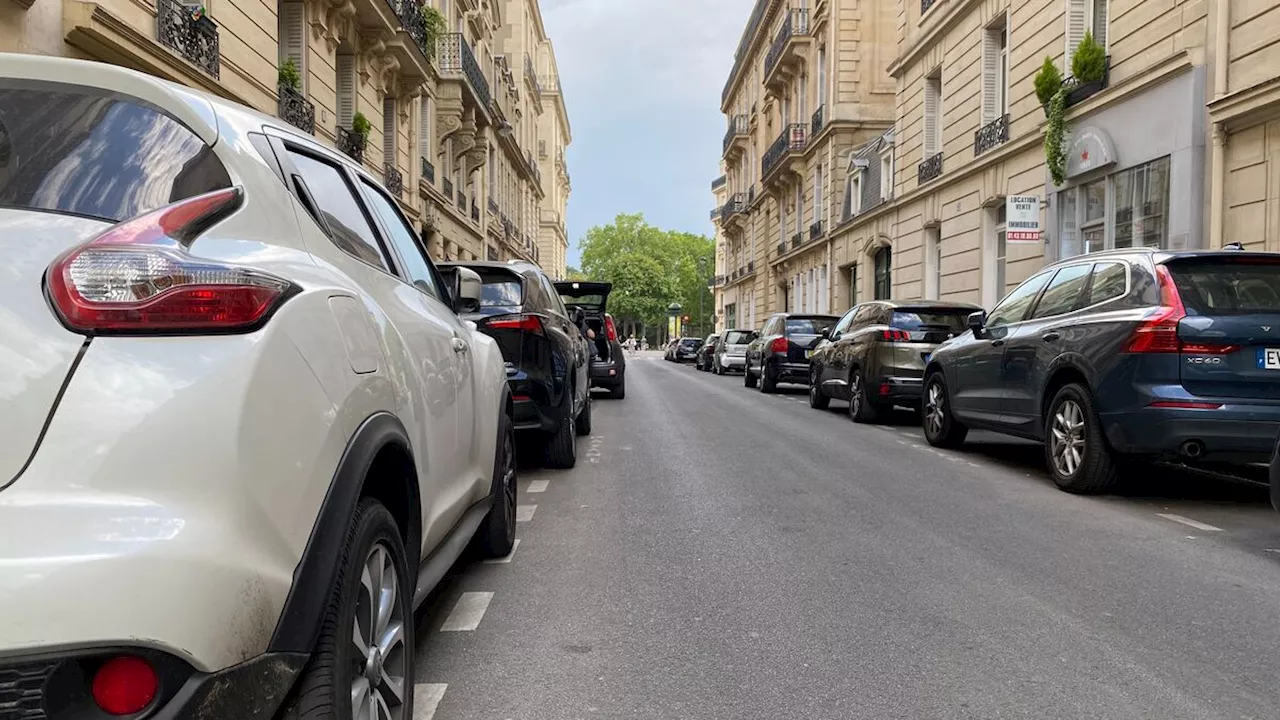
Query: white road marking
[524, 513]
[1188, 521]
[426, 698]
[468, 612]
[507, 559]
[537, 486]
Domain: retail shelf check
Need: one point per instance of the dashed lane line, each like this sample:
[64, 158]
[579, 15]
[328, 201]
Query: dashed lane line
[507, 559]
[426, 698]
[524, 513]
[468, 612]
[537, 486]
[1189, 522]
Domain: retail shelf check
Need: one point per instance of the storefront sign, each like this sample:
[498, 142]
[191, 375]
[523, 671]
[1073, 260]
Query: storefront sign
[1091, 148]
[1022, 218]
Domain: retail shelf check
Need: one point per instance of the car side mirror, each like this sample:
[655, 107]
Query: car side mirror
[977, 320]
[825, 334]
[466, 291]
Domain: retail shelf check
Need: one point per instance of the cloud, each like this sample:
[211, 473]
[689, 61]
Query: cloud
[642, 82]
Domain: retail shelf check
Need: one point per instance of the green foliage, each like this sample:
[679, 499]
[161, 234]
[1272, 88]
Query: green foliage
[1048, 82]
[289, 76]
[650, 268]
[1089, 62]
[1055, 143]
[434, 24]
[573, 273]
[361, 126]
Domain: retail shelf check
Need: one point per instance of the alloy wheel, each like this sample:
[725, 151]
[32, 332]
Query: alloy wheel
[378, 638]
[813, 388]
[509, 489]
[855, 395]
[935, 409]
[1066, 438]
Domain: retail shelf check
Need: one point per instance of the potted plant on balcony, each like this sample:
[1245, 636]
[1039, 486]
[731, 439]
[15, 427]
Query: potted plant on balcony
[434, 26]
[1048, 82]
[1088, 69]
[360, 127]
[289, 78]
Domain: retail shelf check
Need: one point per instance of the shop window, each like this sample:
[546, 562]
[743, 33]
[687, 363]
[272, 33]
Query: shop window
[884, 273]
[1127, 209]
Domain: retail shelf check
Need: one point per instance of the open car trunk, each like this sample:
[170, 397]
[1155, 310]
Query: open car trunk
[591, 298]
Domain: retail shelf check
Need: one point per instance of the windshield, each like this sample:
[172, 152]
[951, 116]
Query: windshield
[932, 319]
[808, 326]
[737, 337]
[501, 293]
[1227, 288]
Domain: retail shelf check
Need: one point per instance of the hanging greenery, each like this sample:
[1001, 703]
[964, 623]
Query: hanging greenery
[1048, 82]
[1055, 137]
[1089, 61]
[289, 76]
[434, 24]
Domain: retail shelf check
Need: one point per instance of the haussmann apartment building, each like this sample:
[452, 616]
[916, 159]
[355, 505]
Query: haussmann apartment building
[466, 124]
[1177, 145]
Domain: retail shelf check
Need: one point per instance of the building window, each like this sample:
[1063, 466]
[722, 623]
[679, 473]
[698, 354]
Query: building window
[799, 207]
[824, 295]
[995, 71]
[817, 194]
[1127, 209]
[932, 139]
[999, 254]
[345, 69]
[293, 37]
[822, 76]
[884, 273]
[731, 315]
[852, 285]
[389, 130]
[1085, 16]
[425, 141]
[932, 262]
[886, 173]
[855, 191]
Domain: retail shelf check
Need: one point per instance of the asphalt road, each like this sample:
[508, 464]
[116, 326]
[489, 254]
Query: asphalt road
[721, 554]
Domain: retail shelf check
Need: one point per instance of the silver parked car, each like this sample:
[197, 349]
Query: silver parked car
[731, 350]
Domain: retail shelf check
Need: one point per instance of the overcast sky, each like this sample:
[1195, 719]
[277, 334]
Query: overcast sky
[642, 82]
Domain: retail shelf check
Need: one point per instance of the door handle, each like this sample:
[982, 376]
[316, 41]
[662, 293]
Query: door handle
[997, 343]
[1051, 336]
[460, 345]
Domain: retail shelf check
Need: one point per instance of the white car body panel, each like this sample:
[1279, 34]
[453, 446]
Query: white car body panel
[180, 478]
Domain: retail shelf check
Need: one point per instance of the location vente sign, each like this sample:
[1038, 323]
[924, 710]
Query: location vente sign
[1022, 219]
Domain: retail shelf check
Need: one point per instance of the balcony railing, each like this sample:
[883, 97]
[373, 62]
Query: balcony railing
[816, 230]
[748, 38]
[797, 240]
[428, 171]
[410, 15]
[549, 83]
[351, 144]
[462, 200]
[736, 204]
[189, 32]
[532, 77]
[1078, 92]
[926, 4]
[929, 169]
[991, 135]
[782, 248]
[819, 117]
[475, 211]
[796, 25]
[297, 110]
[393, 179]
[751, 266]
[715, 214]
[791, 140]
[737, 126]
[455, 57]
[447, 186]
[751, 196]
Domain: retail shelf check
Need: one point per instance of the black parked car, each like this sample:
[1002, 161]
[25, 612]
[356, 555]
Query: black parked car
[874, 357]
[609, 366]
[781, 352]
[1133, 353]
[548, 358]
[686, 349]
[704, 359]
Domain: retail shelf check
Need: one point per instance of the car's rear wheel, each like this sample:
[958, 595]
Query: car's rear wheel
[562, 447]
[497, 534]
[941, 427]
[817, 399]
[364, 655]
[1075, 447]
[748, 380]
[768, 382]
[619, 391]
[861, 409]
[584, 418]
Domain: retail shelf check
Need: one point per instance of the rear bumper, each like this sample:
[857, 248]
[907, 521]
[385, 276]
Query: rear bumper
[733, 362]
[1233, 433]
[898, 390]
[530, 409]
[789, 372]
[607, 374]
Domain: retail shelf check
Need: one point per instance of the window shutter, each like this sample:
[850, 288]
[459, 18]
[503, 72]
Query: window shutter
[1100, 22]
[930, 125]
[424, 129]
[293, 37]
[346, 70]
[1077, 14]
[389, 130]
[990, 74]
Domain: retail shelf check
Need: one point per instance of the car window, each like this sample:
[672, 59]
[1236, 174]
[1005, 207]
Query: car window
[500, 290]
[1064, 293]
[417, 269]
[1015, 306]
[845, 321]
[555, 302]
[737, 337]
[96, 153]
[918, 319]
[1214, 287]
[866, 315]
[806, 326]
[1110, 281]
[333, 197]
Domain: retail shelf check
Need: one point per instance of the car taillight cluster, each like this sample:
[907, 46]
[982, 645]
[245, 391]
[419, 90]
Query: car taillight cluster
[1159, 333]
[895, 335]
[610, 332]
[531, 324]
[138, 277]
[779, 346]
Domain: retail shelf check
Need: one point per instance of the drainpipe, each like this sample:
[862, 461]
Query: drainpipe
[1218, 178]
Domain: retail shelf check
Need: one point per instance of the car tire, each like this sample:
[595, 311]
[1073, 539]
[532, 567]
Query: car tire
[1075, 448]
[861, 409]
[619, 391]
[768, 384]
[748, 380]
[496, 535]
[941, 427]
[817, 399]
[561, 451]
[583, 426]
[331, 677]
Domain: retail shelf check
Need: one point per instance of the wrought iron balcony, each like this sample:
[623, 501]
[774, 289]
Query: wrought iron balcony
[816, 123]
[796, 25]
[428, 171]
[351, 144]
[736, 204]
[751, 266]
[715, 214]
[186, 30]
[532, 77]
[782, 248]
[926, 4]
[393, 179]
[990, 135]
[737, 128]
[797, 240]
[929, 169]
[410, 15]
[455, 58]
[475, 211]
[549, 83]
[791, 140]
[816, 230]
[462, 200]
[751, 196]
[297, 110]
[447, 186]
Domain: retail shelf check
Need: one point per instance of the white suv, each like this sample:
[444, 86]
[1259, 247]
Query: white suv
[244, 430]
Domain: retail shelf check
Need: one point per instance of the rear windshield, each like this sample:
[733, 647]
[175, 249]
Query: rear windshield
[1219, 288]
[582, 299]
[501, 291]
[808, 326]
[913, 320]
[689, 343]
[102, 155]
[737, 337]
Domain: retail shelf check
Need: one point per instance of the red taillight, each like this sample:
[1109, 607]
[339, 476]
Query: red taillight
[138, 277]
[610, 332]
[523, 323]
[1159, 333]
[1202, 348]
[1185, 405]
[125, 685]
[779, 346]
[895, 335]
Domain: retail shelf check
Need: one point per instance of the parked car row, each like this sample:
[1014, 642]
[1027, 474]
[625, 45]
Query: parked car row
[1107, 359]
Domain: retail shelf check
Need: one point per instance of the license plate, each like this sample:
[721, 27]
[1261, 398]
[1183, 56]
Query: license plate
[808, 354]
[1269, 358]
